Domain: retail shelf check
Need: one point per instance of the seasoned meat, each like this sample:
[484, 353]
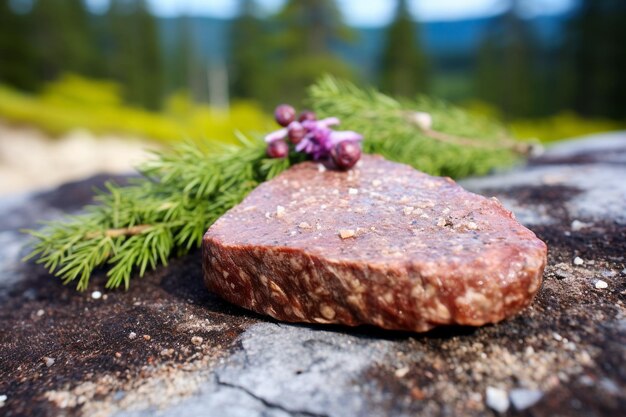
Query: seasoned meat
[381, 244]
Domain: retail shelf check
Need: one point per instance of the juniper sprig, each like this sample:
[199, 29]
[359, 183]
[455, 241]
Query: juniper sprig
[165, 212]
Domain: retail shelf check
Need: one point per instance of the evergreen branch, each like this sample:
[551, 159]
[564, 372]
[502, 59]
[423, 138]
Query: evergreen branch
[458, 144]
[137, 227]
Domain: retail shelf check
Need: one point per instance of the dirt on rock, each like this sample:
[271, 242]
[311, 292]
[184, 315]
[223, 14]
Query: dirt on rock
[153, 350]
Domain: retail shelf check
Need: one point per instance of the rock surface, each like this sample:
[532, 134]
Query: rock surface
[380, 244]
[569, 344]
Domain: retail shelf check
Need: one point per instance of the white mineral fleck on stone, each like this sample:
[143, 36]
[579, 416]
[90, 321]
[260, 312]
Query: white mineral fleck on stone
[601, 284]
[353, 191]
[557, 337]
[497, 399]
[40, 313]
[346, 233]
[48, 361]
[441, 222]
[578, 261]
[522, 398]
[321, 168]
[610, 386]
[407, 210]
[586, 380]
[132, 335]
[280, 211]
[96, 295]
[401, 372]
[577, 225]
[552, 179]
[167, 352]
[376, 183]
[472, 226]
[3, 399]
[304, 225]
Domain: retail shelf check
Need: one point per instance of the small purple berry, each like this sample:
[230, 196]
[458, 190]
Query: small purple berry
[295, 132]
[307, 115]
[278, 149]
[284, 114]
[346, 154]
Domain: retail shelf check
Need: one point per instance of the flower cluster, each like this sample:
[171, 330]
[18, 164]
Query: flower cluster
[313, 137]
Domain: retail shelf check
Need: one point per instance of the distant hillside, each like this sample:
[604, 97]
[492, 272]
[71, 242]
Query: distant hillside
[444, 41]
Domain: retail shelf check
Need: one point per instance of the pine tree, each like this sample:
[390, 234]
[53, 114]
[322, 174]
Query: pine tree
[179, 64]
[593, 73]
[505, 74]
[61, 38]
[249, 53]
[403, 70]
[135, 52]
[17, 57]
[307, 31]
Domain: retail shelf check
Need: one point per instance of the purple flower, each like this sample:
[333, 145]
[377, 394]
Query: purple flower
[329, 121]
[276, 135]
[318, 139]
[341, 135]
[316, 143]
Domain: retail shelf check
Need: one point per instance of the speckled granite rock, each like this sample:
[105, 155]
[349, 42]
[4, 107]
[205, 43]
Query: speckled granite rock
[380, 244]
[568, 346]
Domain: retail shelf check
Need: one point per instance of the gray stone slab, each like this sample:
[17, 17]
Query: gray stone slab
[137, 352]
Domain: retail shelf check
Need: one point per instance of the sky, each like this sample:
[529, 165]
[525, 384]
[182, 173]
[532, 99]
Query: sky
[362, 12]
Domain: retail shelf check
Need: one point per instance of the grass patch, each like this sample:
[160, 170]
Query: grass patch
[75, 102]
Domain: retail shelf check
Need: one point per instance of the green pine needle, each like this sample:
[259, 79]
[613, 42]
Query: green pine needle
[166, 212]
[184, 190]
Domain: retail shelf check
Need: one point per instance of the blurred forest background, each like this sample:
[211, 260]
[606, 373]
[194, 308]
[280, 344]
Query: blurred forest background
[119, 68]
